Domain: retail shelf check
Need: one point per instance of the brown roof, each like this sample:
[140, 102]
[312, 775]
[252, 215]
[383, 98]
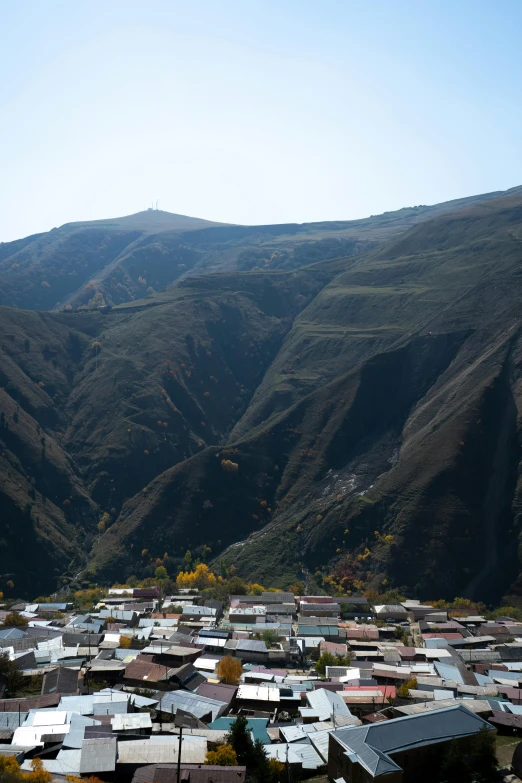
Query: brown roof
[220, 691]
[164, 616]
[332, 647]
[142, 668]
[500, 718]
[190, 773]
[30, 703]
[373, 717]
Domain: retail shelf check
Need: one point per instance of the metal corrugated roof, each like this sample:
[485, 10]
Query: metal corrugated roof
[296, 753]
[138, 720]
[372, 743]
[76, 733]
[326, 703]
[163, 750]
[98, 755]
[12, 720]
[256, 725]
[191, 702]
[67, 762]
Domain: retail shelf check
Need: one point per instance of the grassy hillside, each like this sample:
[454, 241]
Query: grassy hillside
[110, 262]
[354, 420]
[382, 442]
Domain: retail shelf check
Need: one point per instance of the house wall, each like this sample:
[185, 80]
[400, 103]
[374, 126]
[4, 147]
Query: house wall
[340, 766]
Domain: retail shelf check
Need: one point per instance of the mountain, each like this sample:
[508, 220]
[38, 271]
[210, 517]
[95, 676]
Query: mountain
[353, 421]
[110, 262]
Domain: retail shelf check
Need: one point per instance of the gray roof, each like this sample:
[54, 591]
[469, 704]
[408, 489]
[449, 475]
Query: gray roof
[110, 707]
[76, 733]
[326, 703]
[12, 720]
[296, 753]
[162, 750]
[372, 744]
[67, 762]
[191, 702]
[98, 755]
[201, 611]
[83, 705]
[11, 633]
[251, 645]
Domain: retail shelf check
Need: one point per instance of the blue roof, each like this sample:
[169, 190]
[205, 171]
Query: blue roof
[11, 633]
[256, 725]
[448, 672]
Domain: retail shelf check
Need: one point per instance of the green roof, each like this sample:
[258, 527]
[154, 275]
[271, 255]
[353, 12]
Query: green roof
[318, 630]
[256, 725]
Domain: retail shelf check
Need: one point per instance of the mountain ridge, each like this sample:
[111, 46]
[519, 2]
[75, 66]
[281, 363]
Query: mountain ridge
[353, 422]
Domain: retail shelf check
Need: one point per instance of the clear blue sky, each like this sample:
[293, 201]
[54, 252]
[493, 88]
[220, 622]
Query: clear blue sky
[254, 112]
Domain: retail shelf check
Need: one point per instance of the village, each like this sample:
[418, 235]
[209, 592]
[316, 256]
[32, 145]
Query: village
[147, 687]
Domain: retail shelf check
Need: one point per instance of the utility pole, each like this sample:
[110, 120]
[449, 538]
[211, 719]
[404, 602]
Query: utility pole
[179, 753]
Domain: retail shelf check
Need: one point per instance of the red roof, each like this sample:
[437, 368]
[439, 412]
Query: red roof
[332, 647]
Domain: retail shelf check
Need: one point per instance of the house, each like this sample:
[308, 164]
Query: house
[392, 611]
[142, 671]
[400, 750]
[189, 773]
[320, 610]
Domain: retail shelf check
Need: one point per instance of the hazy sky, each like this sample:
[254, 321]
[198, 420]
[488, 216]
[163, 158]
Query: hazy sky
[254, 112]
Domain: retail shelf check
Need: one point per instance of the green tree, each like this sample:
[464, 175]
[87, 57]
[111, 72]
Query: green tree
[329, 659]
[483, 757]
[270, 637]
[249, 753]
[161, 573]
[15, 680]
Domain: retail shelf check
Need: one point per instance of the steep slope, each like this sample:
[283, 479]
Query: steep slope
[357, 419]
[93, 406]
[384, 439]
[47, 516]
[109, 262]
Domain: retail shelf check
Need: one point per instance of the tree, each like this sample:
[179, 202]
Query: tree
[161, 573]
[14, 679]
[39, 774]
[329, 659]
[404, 690]
[277, 772]
[453, 767]
[229, 670]
[250, 754]
[270, 637]
[10, 771]
[223, 756]
[125, 642]
[15, 619]
[483, 757]
[240, 739]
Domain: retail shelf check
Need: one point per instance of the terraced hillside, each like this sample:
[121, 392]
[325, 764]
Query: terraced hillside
[356, 419]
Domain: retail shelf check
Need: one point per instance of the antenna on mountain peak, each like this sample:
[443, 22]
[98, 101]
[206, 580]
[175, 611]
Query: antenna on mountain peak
[157, 203]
